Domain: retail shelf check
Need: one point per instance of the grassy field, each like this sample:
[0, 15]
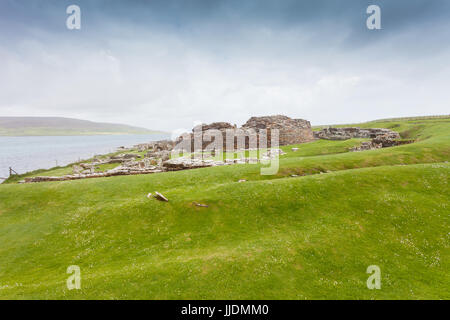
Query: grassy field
[272, 237]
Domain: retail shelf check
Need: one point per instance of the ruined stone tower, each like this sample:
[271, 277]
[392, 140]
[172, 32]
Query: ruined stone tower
[290, 131]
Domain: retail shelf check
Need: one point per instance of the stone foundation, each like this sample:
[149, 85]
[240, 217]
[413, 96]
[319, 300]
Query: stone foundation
[382, 141]
[354, 132]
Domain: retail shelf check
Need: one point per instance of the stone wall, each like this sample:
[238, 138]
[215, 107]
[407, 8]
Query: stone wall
[354, 132]
[254, 131]
[291, 131]
[381, 141]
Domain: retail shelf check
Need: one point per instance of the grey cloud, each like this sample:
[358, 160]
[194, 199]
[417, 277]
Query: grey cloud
[165, 64]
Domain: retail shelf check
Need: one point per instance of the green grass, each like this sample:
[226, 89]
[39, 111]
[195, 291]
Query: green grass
[68, 169]
[55, 171]
[272, 237]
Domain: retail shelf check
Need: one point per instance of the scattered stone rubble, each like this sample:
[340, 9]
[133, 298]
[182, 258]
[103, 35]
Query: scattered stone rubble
[354, 132]
[380, 137]
[89, 175]
[156, 146]
[383, 141]
[158, 154]
[184, 163]
[157, 159]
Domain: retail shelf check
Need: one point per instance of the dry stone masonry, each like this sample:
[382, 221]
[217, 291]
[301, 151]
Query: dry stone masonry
[383, 141]
[255, 133]
[354, 132]
[156, 156]
[381, 137]
[291, 131]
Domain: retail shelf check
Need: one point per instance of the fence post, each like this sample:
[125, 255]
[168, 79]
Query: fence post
[11, 170]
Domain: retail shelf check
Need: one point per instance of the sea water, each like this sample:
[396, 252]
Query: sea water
[25, 154]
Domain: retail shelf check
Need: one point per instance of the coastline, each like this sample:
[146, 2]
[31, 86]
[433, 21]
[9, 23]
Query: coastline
[32, 153]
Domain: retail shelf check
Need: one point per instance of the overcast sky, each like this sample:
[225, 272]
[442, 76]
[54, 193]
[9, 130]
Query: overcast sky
[165, 64]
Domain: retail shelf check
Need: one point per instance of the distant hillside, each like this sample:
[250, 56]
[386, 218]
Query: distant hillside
[57, 126]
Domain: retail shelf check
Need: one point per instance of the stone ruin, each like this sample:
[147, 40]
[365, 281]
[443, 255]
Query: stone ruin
[153, 162]
[380, 137]
[291, 131]
[382, 141]
[158, 154]
[354, 132]
[160, 145]
[257, 132]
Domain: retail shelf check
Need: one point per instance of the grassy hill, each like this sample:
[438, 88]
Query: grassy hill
[57, 126]
[272, 237]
